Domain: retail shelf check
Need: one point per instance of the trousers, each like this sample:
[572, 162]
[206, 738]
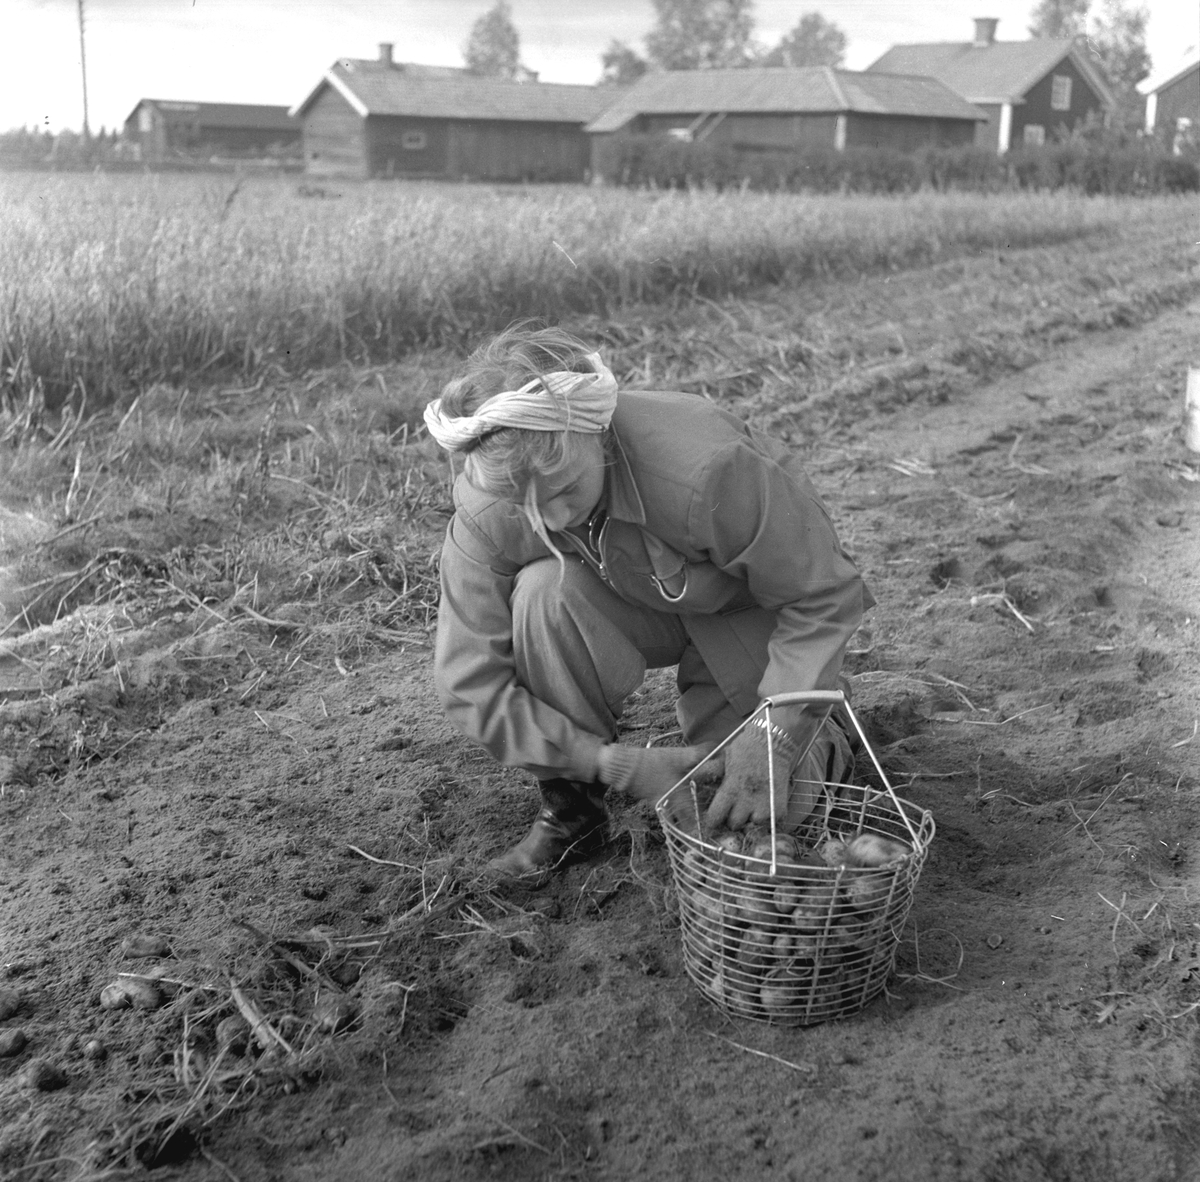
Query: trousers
[581, 648]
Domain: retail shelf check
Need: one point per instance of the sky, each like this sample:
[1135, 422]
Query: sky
[274, 51]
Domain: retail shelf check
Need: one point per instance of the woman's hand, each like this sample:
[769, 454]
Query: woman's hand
[646, 773]
[745, 791]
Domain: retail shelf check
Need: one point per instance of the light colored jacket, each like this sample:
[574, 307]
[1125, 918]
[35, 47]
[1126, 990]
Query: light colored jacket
[707, 519]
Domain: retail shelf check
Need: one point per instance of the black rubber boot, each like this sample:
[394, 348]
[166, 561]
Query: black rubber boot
[571, 822]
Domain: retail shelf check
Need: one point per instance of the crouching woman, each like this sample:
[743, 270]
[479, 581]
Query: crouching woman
[598, 533]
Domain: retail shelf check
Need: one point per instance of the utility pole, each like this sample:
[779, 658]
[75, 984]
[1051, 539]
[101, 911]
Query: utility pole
[83, 67]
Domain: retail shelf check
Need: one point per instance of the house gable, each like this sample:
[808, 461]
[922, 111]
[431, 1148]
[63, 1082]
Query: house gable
[1012, 81]
[1043, 106]
[999, 72]
[335, 142]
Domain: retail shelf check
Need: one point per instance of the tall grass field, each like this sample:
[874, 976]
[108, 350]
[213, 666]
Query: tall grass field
[111, 282]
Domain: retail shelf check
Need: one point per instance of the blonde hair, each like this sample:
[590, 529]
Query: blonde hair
[508, 460]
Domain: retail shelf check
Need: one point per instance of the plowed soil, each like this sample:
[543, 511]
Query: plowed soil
[999, 441]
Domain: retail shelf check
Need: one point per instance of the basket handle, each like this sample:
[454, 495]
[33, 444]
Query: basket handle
[838, 698]
[807, 697]
[827, 698]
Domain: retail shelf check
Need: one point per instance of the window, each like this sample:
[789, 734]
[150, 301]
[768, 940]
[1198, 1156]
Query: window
[145, 119]
[1035, 135]
[413, 141]
[1060, 93]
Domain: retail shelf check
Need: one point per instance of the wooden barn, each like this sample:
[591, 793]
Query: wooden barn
[1030, 90]
[1173, 107]
[161, 130]
[386, 118]
[791, 107]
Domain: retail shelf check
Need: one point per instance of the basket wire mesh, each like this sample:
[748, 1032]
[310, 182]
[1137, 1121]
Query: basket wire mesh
[799, 924]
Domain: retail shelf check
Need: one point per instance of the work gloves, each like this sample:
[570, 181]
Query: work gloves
[744, 795]
[745, 792]
[646, 773]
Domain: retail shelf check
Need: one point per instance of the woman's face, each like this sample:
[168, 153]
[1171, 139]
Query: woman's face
[568, 498]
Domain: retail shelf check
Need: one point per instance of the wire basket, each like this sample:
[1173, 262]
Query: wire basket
[802, 926]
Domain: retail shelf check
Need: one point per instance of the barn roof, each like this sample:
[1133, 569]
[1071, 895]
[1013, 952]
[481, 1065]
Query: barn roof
[446, 92]
[999, 72]
[782, 89]
[225, 114]
[1159, 82]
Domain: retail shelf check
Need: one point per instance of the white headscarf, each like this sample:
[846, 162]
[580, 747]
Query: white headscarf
[559, 401]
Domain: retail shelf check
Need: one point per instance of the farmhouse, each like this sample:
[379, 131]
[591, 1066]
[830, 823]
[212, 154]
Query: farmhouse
[159, 131]
[1030, 90]
[1173, 106]
[387, 118]
[786, 107]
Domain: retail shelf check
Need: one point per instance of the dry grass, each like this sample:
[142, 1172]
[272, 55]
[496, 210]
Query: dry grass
[305, 518]
[124, 281]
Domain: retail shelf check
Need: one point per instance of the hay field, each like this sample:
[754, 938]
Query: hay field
[112, 282]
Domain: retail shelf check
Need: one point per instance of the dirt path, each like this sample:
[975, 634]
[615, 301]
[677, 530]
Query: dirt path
[1031, 675]
[1064, 816]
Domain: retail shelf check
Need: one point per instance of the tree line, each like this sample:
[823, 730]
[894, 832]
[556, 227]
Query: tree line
[687, 35]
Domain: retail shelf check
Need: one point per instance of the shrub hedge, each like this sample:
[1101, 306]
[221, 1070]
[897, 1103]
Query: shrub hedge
[1089, 166]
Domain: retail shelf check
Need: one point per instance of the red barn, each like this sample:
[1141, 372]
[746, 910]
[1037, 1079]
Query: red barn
[387, 118]
[792, 107]
[164, 130]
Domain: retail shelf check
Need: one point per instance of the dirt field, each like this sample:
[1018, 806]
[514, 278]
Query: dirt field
[999, 442]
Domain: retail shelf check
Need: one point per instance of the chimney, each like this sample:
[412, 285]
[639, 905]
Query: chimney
[385, 52]
[985, 31]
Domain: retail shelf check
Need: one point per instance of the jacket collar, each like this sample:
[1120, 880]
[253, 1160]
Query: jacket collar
[624, 500]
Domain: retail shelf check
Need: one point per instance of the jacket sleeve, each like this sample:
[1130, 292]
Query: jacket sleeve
[759, 518]
[475, 675]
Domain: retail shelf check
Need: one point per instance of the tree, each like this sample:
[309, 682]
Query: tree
[813, 42]
[701, 34]
[621, 65]
[493, 50]
[1118, 39]
[1059, 18]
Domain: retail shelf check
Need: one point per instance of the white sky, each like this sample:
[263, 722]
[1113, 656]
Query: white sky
[274, 51]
